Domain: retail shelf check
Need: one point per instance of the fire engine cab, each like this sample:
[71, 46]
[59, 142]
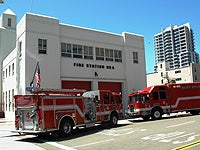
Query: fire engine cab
[46, 110]
[154, 101]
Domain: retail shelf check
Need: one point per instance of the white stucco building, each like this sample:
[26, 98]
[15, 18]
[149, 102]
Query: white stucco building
[164, 74]
[73, 57]
[7, 44]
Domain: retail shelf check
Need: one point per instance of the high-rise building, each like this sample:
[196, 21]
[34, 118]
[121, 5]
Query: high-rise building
[175, 45]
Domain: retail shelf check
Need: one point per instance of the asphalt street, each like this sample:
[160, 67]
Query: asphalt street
[174, 133]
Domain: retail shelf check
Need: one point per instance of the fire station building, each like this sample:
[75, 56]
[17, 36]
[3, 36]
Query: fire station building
[72, 57]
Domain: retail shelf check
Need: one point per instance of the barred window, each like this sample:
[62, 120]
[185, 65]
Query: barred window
[118, 56]
[77, 51]
[9, 22]
[66, 50]
[99, 53]
[42, 46]
[88, 52]
[109, 54]
[135, 57]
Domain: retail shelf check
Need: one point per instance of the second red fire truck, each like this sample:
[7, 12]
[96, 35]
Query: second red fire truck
[46, 110]
[157, 100]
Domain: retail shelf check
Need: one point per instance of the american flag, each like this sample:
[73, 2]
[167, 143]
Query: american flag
[37, 75]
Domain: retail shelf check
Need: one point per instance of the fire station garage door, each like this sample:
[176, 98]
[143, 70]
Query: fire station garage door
[113, 86]
[85, 85]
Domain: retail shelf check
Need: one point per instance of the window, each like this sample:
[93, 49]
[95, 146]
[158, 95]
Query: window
[9, 70]
[13, 68]
[161, 74]
[109, 54]
[77, 51]
[177, 71]
[9, 22]
[99, 53]
[178, 79]
[88, 52]
[118, 100]
[195, 77]
[20, 48]
[145, 97]
[106, 98]
[13, 103]
[66, 50]
[162, 95]
[9, 101]
[155, 95]
[135, 57]
[6, 100]
[118, 56]
[42, 46]
[3, 98]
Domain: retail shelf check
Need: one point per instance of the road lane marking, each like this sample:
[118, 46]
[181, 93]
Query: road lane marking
[191, 138]
[58, 145]
[93, 143]
[120, 132]
[186, 146]
[174, 137]
[169, 140]
[180, 124]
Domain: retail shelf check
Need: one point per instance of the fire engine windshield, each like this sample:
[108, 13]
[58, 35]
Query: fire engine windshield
[135, 98]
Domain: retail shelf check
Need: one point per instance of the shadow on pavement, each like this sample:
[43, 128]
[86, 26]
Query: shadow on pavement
[78, 132]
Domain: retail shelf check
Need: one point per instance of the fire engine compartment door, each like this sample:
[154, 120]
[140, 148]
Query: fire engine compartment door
[90, 109]
[48, 112]
[27, 120]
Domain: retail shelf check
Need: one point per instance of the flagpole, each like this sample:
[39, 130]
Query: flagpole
[31, 84]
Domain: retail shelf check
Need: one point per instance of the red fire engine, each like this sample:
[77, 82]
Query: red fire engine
[157, 100]
[46, 110]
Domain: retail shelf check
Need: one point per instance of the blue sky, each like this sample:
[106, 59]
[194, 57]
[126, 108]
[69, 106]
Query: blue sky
[144, 17]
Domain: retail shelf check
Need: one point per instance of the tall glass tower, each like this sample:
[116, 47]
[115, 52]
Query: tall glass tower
[175, 45]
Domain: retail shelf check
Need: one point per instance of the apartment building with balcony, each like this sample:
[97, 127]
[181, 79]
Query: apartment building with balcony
[175, 44]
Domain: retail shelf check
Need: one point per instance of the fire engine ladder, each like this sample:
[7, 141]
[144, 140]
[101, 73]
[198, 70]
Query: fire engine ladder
[46, 91]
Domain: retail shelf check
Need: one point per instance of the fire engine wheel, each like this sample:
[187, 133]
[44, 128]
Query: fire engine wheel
[113, 120]
[66, 127]
[156, 114]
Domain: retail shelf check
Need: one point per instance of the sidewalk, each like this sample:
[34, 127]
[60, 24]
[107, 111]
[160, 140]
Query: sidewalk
[7, 123]
[10, 140]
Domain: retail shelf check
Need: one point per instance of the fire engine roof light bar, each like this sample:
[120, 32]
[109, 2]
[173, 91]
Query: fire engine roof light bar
[55, 91]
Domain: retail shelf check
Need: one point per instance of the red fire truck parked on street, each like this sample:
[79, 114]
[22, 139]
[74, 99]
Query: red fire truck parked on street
[46, 110]
[157, 100]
